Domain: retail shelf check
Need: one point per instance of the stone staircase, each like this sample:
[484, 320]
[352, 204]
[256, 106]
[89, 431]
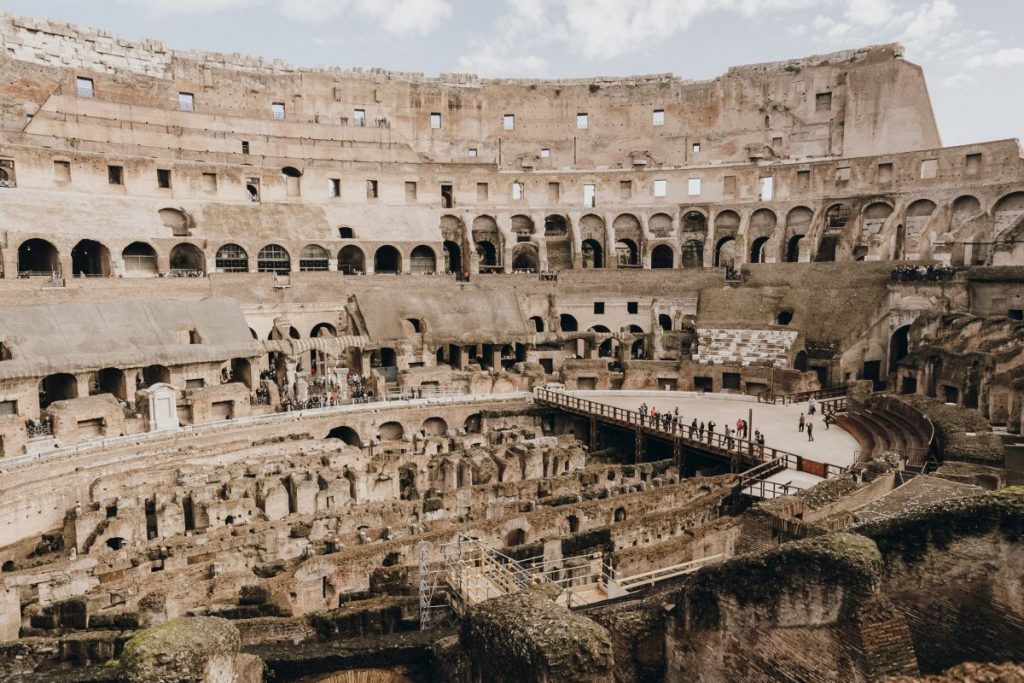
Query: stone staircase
[718, 346]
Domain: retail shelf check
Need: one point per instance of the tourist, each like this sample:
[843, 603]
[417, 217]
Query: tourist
[811, 408]
[711, 429]
[810, 431]
[700, 431]
[693, 427]
[827, 419]
[801, 423]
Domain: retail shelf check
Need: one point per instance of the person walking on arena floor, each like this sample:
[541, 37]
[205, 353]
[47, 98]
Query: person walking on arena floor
[810, 431]
[801, 424]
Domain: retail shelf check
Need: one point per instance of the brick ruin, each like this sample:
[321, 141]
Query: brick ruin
[287, 356]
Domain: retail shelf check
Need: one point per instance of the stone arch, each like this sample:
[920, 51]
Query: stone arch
[156, 374]
[524, 258]
[660, 225]
[391, 431]
[515, 537]
[662, 256]
[313, 258]
[757, 249]
[452, 257]
[522, 227]
[665, 322]
[273, 258]
[626, 226]
[538, 323]
[434, 426]
[387, 259]
[351, 260]
[692, 254]
[488, 243]
[139, 259]
[568, 323]
[38, 257]
[899, 346]
[231, 258]
[176, 220]
[592, 227]
[875, 215]
[725, 252]
[694, 222]
[556, 225]
[345, 434]
[793, 248]
[966, 207]
[593, 255]
[59, 386]
[627, 254]
[422, 260]
[837, 216]
[112, 381]
[187, 259]
[727, 221]
[473, 424]
[90, 257]
[763, 223]
[1007, 212]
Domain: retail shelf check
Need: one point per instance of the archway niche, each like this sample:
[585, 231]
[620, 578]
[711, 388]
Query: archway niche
[626, 254]
[725, 253]
[387, 259]
[662, 257]
[593, 255]
[347, 435]
[793, 249]
[57, 387]
[452, 257]
[187, 259]
[313, 258]
[139, 259]
[899, 346]
[515, 537]
[37, 257]
[434, 426]
[231, 258]
[524, 259]
[351, 260]
[757, 248]
[90, 258]
[156, 374]
[422, 260]
[274, 258]
[665, 321]
[111, 381]
[391, 431]
[692, 255]
[568, 323]
[241, 371]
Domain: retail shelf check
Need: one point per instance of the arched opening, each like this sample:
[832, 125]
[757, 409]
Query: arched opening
[1007, 212]
[538, 323]
[875, 215]
[111, 381]
[59, 387]
[346, 233]
[391, 431]
[793, 249]
[487, 254]
[115, 542]
[800, 362]
[662, 256]
[695, 221]
[757, 250]
[725, 253]
[231, 258]
[556, 226]
[452, 257]
[827, 248]
[660, 225]
[37, 257]
[434, 426]
[473, 424]
[387, 259]
[313, 258]
[665, 321]
[515, 537]
[619, 515]
[176, 220]
[568, 323]
[351, 260]
[626, 254]
[156, 374]
[241, 371]
[292, 178]
[347, 435]
[422, 260]
[593, 257]
[522, 227]
[317, 358]
[274, 258]
[187, 259]
[636, 351]
[899, 347]
[524, 259]
[8, 566]
[90, 258]
[414, 326]
[784, 317]
[139, 259]
[837, 216]
[693, 254]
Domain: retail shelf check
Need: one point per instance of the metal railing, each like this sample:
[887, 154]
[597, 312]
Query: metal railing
[713, 442]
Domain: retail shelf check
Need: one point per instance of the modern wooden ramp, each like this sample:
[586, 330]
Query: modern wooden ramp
[741, 454]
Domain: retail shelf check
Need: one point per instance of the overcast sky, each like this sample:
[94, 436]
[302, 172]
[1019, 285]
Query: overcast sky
[972, 50]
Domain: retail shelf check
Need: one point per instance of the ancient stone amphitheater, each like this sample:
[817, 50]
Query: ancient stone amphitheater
[329, 375]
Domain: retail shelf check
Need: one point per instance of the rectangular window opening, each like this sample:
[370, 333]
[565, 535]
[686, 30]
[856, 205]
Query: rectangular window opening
[554, 192]
[508, 122]
[115, 175]
[481, 192]
[589, 195]
[62, 171]
[545, 153]
[693, 187]
[599, 308]
[410, 191]
[582, 121]
[767, 188]
[163, 178]
[371, 189]
[359, 118]
[245, 146]
[660, 188]
[85, 87]
[209, 182]
[277, 108]
[435, 120]
[186, 101]
[334, 187]
[823, 101]
[658, 119]
[632, 307]
[447, 195]
[625, 189]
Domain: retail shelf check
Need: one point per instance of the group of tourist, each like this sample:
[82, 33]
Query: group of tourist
[921, 273]
[699, 430]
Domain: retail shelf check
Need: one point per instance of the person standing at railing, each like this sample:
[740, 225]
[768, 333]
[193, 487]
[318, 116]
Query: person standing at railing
[693, 427]
[711, 431]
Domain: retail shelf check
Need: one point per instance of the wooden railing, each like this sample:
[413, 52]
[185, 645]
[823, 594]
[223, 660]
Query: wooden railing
[711, 442]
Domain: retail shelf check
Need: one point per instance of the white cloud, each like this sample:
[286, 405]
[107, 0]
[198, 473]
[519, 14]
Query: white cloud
[869, 12]
[1005, 58]
[405, 17]
[958, 80]
[190, 6]
[312, 11]
[928, 21]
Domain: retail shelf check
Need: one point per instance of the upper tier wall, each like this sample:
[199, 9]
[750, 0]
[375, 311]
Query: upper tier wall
[848, 103]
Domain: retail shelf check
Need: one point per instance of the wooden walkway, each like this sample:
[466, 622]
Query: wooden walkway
[741, 454]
